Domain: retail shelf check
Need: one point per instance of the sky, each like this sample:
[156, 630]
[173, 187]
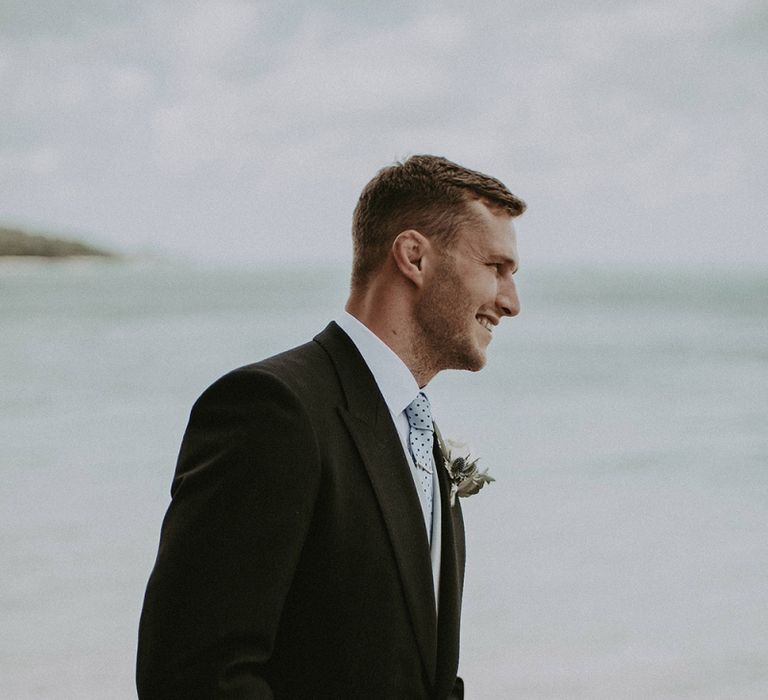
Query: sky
[243, 132]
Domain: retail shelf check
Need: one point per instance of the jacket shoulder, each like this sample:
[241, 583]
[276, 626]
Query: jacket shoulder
[302, 370]
[309, 371]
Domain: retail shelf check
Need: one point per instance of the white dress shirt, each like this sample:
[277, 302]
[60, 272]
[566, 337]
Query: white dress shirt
[398, 388]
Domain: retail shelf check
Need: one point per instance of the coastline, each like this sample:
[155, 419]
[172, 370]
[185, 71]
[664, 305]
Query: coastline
[16, 243]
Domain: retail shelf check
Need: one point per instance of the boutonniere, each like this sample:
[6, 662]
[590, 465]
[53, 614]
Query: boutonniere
[464, 476]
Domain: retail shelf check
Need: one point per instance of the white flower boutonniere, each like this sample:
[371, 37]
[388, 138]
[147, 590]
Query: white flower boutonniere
[465, 478]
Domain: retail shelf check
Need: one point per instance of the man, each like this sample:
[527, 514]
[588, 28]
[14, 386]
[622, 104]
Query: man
[311, 548]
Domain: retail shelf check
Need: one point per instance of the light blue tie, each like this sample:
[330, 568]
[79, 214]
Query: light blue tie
[421, 438]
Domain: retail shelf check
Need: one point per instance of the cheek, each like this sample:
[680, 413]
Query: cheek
[484, 289]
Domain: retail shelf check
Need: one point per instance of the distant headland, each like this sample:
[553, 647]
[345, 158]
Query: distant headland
[14, 242]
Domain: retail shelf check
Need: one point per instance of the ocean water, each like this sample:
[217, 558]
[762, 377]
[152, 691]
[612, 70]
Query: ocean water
[621, 553]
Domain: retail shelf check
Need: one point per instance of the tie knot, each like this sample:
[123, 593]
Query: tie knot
[419, 413]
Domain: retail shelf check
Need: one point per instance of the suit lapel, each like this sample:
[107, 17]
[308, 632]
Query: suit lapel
[451, 582]
[370, 425]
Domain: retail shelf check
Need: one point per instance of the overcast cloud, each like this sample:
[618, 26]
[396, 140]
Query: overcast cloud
[243, 131]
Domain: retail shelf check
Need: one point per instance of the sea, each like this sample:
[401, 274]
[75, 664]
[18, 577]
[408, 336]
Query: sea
[622, 551]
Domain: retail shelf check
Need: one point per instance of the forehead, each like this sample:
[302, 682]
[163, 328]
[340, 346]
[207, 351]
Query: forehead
[489, 231]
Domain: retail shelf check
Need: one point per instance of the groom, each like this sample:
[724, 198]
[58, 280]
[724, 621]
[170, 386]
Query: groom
[311, 549]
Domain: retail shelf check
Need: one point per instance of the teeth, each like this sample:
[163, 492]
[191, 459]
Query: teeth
[485, 323]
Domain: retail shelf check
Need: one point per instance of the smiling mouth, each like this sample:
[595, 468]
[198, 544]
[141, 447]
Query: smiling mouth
[485, 323]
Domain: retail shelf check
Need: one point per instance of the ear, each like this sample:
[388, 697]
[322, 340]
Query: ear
[408, 251]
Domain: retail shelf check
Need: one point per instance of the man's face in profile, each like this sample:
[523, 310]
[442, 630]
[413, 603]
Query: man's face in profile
[471, 290]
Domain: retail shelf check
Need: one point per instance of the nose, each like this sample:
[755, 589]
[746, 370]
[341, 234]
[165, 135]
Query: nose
[507, 300]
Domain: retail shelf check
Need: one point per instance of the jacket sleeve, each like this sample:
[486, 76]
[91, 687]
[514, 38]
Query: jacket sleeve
[242, 499]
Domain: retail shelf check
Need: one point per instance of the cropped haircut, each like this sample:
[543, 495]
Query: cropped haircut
[427, 193]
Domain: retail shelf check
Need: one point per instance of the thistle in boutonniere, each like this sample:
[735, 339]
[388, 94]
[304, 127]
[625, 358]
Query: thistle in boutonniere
[464, 476]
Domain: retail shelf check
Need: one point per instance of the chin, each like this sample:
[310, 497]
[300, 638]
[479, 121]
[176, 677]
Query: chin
[472, 361]
[479, 363]
[478, 356]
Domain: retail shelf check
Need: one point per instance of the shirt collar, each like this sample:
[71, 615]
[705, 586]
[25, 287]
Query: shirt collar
[394, 379]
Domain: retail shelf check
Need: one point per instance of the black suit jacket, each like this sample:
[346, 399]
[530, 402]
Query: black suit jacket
[293, 560]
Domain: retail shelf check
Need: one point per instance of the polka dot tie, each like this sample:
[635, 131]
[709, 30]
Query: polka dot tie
[421, 439]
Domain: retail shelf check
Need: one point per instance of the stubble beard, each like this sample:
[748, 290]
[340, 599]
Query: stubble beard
[444, 339]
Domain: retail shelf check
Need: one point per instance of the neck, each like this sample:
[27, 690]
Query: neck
[387, 312]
